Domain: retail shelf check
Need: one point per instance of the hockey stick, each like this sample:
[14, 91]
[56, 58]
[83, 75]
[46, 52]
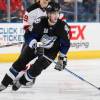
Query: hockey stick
[8, 45]
[74, 74]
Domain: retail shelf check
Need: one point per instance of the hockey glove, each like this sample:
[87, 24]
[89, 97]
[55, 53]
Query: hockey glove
[38, 46]
[39, 51]
[61, 63]
[33, 44]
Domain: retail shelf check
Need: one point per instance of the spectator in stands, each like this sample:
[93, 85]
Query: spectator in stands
[67, 7]
[3, 8]
[27, 3]
[89, 10]
[17, 10]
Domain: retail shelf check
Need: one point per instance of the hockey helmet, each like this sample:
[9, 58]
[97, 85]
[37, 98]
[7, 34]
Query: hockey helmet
[52, 7]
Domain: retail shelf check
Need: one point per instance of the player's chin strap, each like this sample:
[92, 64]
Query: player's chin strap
[74, 74]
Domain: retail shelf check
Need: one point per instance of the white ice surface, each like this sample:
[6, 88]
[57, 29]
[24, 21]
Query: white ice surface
[55, 85]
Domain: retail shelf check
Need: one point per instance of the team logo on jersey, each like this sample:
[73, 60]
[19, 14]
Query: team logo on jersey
[45, 30]
[66, 28]
[37, 20]
[48, 41]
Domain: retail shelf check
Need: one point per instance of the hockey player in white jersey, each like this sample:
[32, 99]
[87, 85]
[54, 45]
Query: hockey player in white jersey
[33, 13]
[53, 35]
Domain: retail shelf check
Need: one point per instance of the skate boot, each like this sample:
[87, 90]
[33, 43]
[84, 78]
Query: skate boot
[2, 87]
[16, 85]
[5, 82]
[30, 84]
[8, 78]
[23, 81]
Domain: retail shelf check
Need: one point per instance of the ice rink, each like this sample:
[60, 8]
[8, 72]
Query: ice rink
[55, 85]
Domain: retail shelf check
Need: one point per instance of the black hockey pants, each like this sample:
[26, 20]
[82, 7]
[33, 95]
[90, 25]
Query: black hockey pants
[26, 56]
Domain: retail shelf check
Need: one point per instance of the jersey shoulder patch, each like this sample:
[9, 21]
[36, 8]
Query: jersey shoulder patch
[38, 20]
[66, 28]
[64, 25]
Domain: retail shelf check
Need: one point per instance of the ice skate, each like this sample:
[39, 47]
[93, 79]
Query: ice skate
[2, 87]
[30, 84]
[16, 85]
[22, 81]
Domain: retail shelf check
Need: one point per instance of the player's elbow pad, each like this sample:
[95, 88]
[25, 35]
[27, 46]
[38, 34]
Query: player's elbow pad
[33, 43]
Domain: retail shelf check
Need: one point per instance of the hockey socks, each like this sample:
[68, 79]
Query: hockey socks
[26, 80]
[8, 78]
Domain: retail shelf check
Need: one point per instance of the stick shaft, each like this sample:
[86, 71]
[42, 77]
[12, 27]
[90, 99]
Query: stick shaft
[74, 74]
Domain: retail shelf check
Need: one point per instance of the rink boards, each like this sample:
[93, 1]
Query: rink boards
[85, 41]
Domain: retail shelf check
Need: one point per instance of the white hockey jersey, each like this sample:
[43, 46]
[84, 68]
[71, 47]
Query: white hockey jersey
[32, 14]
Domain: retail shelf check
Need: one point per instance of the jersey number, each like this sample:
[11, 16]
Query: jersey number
[25, 18]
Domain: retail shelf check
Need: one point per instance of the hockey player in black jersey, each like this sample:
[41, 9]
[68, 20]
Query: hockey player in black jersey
[49, 37]
[35, 11]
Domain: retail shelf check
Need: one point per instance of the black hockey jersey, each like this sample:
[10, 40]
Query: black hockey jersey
[56, 35]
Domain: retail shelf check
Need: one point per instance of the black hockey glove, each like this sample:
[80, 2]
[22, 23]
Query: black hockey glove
[38, 46]
[39, 51]
[61, 63]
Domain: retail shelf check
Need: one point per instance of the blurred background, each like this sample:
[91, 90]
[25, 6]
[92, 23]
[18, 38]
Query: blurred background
[83, 16]
[74, 10]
